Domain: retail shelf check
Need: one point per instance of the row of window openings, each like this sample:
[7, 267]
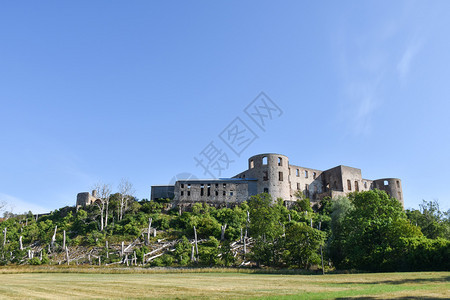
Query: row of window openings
[202, 185]
[224, 193]
[385, 182]
[280, 175]
[349, 184]
[297, 173]
[306, 187]
[264, 162]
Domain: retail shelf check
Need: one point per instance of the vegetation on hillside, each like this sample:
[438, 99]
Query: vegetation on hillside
[366, 231]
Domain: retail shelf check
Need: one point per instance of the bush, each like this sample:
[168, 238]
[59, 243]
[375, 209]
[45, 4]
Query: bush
[165, 260]
[35, 261]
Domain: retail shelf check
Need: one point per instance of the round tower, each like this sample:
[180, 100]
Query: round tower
[392, 186]
[272, 172]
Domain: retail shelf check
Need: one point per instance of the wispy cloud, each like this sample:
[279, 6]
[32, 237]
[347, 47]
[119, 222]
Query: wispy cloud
[17, 205]
[371, 59]
[404, 65]
[362, 66]
[363, 97]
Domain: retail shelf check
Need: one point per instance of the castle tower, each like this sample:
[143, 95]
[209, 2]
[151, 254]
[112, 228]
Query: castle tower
[392, 186]
[272, 172]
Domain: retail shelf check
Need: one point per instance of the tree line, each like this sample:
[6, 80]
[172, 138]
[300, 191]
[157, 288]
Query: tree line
[366, 231]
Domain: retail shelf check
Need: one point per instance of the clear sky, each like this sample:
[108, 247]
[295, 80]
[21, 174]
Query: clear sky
[96, 91]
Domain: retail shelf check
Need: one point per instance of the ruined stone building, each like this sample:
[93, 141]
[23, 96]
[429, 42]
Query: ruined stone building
[85, 198]
[272, 173]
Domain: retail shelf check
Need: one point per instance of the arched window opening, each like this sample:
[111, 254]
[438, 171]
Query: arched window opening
[264, 160]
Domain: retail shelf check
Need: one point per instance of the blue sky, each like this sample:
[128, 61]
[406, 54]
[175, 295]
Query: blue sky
[96, 91]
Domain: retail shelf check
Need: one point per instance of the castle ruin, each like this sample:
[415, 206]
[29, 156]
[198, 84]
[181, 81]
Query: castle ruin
[85, 198]
[273, 174]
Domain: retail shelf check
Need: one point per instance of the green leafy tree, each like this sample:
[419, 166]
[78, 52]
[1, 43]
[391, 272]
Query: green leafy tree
[182, 251]
[209, 252]
[302, 245]
[371, 231]
[432, 221]
[340, 207]
[264, 219]
[266, 229]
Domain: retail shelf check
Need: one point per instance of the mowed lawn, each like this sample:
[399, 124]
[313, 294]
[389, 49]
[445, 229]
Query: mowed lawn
[212, 285]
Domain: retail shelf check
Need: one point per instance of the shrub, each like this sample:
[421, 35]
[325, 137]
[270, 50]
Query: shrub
[35, 261]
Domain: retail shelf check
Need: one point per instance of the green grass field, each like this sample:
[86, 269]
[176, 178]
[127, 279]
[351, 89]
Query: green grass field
[73, 283]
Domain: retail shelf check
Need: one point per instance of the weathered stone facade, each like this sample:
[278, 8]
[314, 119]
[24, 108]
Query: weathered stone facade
[85, 199]
[273, 174]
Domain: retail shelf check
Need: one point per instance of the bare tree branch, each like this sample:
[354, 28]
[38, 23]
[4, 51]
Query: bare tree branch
[126, 192]
[2, 205]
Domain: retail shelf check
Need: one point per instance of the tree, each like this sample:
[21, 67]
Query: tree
[432, 221]
[340, 207]
[302, 245]
[182, 251]
[303, 203]
[104, 192]
[266, 229]
[370, 232]
[263, 218]
[209, 252]
[126, 191]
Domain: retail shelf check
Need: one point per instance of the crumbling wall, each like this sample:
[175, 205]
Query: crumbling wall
[85, 199]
